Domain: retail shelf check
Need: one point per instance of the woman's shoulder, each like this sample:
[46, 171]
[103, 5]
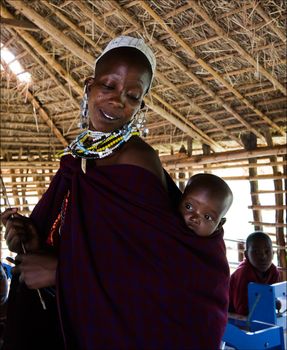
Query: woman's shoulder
[138, 152]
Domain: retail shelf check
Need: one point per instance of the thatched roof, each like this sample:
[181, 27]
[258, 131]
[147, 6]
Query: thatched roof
[220, 70]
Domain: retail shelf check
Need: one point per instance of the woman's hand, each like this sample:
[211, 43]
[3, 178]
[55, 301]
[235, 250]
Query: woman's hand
[19, 231]
[37, 270]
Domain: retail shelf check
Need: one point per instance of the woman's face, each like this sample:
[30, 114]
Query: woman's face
[115, 93]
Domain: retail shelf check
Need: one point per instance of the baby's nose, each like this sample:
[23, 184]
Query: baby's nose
[194, 217]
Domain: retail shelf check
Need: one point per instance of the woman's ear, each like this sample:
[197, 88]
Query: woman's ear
[142, 105]
[88, 83]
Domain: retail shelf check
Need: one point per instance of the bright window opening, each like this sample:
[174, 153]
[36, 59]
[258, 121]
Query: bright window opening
[15, 66]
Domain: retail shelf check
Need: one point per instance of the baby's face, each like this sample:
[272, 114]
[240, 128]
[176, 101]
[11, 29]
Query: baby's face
[201, 211]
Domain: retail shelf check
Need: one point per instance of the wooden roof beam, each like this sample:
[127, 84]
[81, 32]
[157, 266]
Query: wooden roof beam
[42, 113]
[73, 26]
[47, 27]
[46, 56]
[99, 23]
[196, 107]
[198, 81]
[179, 124]
[78, 51]
[15, 23]
[270, 21]
[202, 63]
[204, 138]
[226, 36]
[175, 161]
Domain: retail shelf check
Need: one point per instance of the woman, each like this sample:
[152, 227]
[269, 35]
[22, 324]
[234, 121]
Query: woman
[129, 274]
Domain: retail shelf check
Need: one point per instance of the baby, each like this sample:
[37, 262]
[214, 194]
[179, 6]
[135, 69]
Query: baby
[205, 201]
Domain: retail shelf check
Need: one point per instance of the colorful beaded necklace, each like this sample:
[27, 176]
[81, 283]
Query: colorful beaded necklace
[96, 144]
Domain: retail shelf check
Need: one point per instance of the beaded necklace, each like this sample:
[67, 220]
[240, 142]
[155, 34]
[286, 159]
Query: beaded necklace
[97, 145]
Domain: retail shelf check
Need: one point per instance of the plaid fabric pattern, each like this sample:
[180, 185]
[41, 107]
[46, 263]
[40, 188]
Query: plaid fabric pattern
[131, 276]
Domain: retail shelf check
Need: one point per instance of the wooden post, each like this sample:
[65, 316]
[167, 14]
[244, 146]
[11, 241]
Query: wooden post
[206, 152]
[15, 189]
[189, 152]
[279, 216]
[181, 175]
[23, 189]
[249, 141]
[241, 248]
[172, 172]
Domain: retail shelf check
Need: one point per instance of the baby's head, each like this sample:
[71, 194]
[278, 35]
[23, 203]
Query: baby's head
[205, 201]
[259, 251]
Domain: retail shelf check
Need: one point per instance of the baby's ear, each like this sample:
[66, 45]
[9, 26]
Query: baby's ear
[221, 223]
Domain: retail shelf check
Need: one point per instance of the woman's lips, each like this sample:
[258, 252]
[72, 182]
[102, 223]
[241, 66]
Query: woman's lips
[107, 116]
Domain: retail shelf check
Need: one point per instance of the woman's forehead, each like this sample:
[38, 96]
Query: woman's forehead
[130, 57]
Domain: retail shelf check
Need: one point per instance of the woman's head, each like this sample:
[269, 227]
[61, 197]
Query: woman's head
[123, 76]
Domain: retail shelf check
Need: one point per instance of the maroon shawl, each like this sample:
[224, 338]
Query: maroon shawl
[131, 275]
[241, 277]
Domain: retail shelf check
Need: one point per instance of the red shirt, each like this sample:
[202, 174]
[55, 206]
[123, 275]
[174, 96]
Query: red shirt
[238, 291]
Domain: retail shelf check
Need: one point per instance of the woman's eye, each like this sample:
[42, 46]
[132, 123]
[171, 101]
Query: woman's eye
[188, 206]
[107, 86]
[133, 97]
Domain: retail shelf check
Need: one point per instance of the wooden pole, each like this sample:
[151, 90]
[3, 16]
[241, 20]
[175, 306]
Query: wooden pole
[250, 143]
[206, 152]
[229, 156]
[279, 216]
[181, 175]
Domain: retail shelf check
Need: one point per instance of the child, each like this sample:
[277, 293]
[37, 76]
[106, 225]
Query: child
[205, 201]
[257, 267]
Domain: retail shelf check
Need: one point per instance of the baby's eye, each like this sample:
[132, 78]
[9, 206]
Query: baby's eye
[188, 206]
[208, 217]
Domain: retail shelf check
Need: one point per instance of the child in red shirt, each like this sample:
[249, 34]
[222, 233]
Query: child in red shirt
[257, 267]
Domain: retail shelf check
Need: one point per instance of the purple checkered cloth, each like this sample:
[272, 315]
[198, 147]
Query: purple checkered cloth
[131, 276]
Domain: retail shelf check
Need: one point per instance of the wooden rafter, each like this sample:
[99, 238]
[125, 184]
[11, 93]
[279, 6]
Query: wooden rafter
[202, 63]
[37, 107]
[186, 121]
[196, 108]
[69, 23]
[74, 48]
[216, 27]
[45, 55]
[183, 161]
[270, 22]
[15, 23]
[202, 136]
[173, 59]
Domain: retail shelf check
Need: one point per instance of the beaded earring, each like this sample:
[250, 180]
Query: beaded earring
[84, 118]
[140, 122]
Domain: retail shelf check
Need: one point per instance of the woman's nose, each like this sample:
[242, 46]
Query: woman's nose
[118, 100]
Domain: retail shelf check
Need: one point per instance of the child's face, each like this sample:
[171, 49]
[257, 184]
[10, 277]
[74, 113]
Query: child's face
[116, 92]
[201, 211]
[260, 254]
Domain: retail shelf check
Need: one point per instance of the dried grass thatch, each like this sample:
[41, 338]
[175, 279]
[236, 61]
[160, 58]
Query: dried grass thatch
[221, 69]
